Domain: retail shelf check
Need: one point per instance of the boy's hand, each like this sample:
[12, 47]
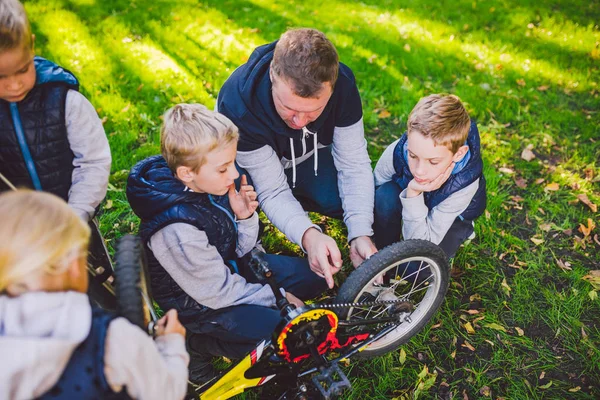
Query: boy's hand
[361, 248]
[243, 203]
[169, 323]
[324, 257]
[414, 188]
[293, 299]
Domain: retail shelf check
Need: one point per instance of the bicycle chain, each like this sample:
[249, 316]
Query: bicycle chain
[364, 304]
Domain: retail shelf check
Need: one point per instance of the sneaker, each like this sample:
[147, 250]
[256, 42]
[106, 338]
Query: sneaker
[201, 370]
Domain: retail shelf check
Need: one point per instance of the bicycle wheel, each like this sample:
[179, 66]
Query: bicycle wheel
[415, 271]
[132, 284]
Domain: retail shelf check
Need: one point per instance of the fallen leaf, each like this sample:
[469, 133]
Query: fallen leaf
[527, 154]
[593, 295]
[108, 205]
[126, 108]
[564, 266]
[552, 187]
[521, 183]
[519, 331]
[586, 230]
[495, 326]
[472, 312]
[487, 215]
[506, 171]
[542, 375]
[536, 240]
[468, 346]
[584, 333]
[474, 297]
[140, 87]
[469, 328]
[543, 88]
[546, 386]
[485, 391]
[384, 114]
[545, 227]
[402, 356]
[575, 389]
[585, 200]
[593, 278]
[521, 82]
[505, 287]
[539, 181]
[407, 47]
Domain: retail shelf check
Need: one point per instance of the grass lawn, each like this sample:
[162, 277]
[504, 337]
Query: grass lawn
[529, 74]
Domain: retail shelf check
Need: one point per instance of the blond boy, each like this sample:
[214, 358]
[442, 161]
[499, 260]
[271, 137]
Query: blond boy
[198, 231]
[53, 343]
[50, 135]
[430, 182]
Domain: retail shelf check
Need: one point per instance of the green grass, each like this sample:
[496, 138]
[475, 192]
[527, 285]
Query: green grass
[528, 72]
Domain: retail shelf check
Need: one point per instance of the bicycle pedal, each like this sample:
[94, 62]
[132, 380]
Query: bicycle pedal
[331, 382]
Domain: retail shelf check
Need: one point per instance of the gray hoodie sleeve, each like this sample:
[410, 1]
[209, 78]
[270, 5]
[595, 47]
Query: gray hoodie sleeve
[197, 267]
[274, 193]
[92, 155]
[247, 235]
[418, 222]
[355, 178]
[384, 170]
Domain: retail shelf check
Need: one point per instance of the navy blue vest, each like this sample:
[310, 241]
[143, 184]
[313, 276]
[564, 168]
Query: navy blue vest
[42, 114]
[470, 173]
[158, 198]
[83, 377]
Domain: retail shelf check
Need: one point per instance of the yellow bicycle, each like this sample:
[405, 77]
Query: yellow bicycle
[379, 307]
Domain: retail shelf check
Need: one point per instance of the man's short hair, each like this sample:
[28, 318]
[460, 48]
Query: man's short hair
[15, 30]
[443, 118]
[305, 59]
[190, 131]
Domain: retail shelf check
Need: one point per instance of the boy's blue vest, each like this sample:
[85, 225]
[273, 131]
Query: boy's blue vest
[159, 199]
[83, 377]
[41, 115]
[471, 172]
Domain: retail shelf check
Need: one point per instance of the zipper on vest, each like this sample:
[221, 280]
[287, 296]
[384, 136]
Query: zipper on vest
[220, 207]
[18, 126]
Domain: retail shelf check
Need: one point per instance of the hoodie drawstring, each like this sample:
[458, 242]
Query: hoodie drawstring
[293, 163]
[305, 133]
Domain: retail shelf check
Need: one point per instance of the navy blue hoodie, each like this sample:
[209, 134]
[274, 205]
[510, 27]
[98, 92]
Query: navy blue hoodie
[246, 100]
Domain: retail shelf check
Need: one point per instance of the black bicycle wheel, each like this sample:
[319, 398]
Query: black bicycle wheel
[132, 284]
[415, 271]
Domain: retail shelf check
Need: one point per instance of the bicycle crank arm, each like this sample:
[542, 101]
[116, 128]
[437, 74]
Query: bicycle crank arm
[367, 321]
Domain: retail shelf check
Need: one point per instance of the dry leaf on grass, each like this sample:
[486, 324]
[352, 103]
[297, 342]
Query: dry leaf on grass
[536, 240]
[565, 266]
[469, 328]
[586, 230]
[521, 183]
[594, 278]
[520, 331]
[505, 287]
[468, 346]
[495, 326]
[585, 200]
[527, 154]
[552, 187]
[384, 114]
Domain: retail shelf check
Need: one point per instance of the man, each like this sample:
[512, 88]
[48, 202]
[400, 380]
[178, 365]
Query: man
[293, 101]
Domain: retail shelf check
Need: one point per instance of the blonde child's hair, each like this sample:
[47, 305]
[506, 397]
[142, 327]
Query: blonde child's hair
[443, 118]
[190, 131]
[15, 30]
[39, 234]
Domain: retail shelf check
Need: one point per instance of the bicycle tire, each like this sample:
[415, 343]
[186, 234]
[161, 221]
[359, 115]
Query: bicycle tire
[132, 284]
[429, 293]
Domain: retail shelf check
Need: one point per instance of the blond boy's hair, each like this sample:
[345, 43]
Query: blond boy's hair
[39, 234]
[15, 30]
[190, 131]
[443, 118]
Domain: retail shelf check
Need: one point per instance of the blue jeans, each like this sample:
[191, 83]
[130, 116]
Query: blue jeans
[234, 331]
[388, 221]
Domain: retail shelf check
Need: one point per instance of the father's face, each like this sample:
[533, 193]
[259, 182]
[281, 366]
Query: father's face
[294, 110]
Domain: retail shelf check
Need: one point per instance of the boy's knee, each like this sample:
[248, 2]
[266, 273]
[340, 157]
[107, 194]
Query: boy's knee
[387, 201]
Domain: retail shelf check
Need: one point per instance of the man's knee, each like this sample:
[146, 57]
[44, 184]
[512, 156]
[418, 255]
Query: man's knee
[387, 203]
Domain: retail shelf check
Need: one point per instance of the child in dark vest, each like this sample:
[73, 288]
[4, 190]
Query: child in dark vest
[430, 182]
[198, 230]
[54, 345]
[51, 138]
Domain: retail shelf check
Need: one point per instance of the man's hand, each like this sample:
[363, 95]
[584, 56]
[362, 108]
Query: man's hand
[293, 299]
[324, 257]
[243, 203]
[361, 248]
[169, 323]
[414, 188]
